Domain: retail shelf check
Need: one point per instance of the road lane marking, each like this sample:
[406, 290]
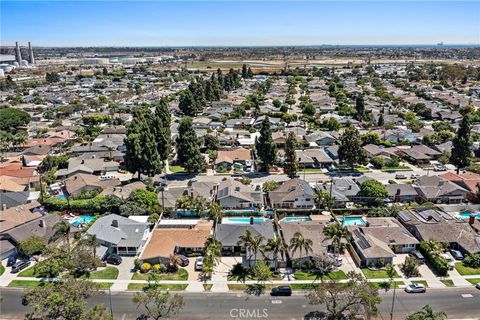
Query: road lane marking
[276, 301]
[467, 295]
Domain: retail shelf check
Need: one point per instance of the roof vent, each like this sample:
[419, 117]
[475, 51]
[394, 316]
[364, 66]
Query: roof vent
[115, 223]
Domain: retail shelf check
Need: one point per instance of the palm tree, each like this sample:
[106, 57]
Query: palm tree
[300, 243]
[427, 314]
[336, 232]
[110, 152]
[245, 240]
[276, 247]
[174, 261]
[256, 245]
[61, 230]
[90, 240]
[184, 202]
[215, 212]
[323, 199]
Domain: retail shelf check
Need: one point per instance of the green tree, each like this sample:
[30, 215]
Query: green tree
[265, 147]
[245, 240]
[323, 199]
[381, 120]
[211, 142]
[188, 147]
[373, 190]
[360, 107]
[427, 313]
[410, 267]
[261, 271]
[300, 243]
[61, 230]
[32, 245]
[336, 233]
[215, 212]
[277, 248]
[350, 150]
[244, 71]
[187, 103]
[269, 186]
[346, 300]
[158, 304]
[161, 130]
[290, 164]
[11, 119]
[461, 143]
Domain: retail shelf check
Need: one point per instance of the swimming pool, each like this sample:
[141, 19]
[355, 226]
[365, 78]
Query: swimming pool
[353, 221]
[61, 196]
[243, 220]
[466, 215]
[81, 219]
[296, 219]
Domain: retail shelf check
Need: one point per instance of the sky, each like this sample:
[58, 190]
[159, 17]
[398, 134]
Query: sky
[238, 23]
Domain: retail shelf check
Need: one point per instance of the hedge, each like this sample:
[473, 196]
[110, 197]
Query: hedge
[437, 262]
[98, 204]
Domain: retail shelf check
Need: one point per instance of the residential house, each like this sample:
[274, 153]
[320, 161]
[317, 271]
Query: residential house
[343, 190]
[121, 191]
[468, 180]
[313, 158]
[401, 192]
[240, 158]
[312, 230]
[232, 194]
[120, 235]
[320, 138]
[292, 194]
[439, 190]
[81, 182]
[176, 236]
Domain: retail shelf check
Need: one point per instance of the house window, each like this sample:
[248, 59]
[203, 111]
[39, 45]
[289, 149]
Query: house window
[132, 249]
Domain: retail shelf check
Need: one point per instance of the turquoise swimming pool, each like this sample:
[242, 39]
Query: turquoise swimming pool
[61, 196]
[81, 219]
[353, 221]
[243, 220]
[466, 215]
[296, 219]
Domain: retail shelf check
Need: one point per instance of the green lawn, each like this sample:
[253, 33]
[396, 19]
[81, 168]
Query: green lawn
[334, 275]
[26, 283]
[181, 274]
[399, 168]
[423, 282]
[29, 272]
[107, 273]
[466, 271]
[376, 274]
[310, 170]
[448, 282]
[207, 286]
[474, 281]
[2, 269]
[177, 169]
[384, 285]
[171, 287]
[303, 286]
[104, 285]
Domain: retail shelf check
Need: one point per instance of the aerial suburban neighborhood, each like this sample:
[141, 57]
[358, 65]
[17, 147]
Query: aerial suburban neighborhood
[328, 173]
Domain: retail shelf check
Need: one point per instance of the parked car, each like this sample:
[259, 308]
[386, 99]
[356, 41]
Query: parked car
[11, 260]
[281, 291]
[414, 176]
[440, 168]
[400, 176]
[420, 258]
[114, 259]
[20, 265]
[477, 285]
[199, 264]
[183, 260]
[415, 288]
[457, 255]
[451, 264]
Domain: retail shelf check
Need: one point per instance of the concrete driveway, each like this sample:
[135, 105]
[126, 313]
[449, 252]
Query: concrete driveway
[223, 268]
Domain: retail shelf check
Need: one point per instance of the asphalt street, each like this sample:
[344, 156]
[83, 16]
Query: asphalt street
[458, 303]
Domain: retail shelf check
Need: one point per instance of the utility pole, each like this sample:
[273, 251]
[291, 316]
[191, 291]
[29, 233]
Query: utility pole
[111, 307]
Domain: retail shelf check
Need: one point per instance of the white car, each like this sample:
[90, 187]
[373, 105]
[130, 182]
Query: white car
[451, 263]
[415, 288]
[199, 264]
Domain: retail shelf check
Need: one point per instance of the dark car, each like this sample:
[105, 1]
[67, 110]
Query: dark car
[183, 260]
[20, 265]
[457, 255]
[11, 260]
[114, 259]
[281, 291]
[420, 258]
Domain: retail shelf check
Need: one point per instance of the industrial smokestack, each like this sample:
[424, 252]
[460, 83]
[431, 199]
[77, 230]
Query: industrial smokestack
[18, 55]
[31, 58]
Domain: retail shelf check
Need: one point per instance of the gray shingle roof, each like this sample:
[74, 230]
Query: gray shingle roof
[129, 232]
[229, 234]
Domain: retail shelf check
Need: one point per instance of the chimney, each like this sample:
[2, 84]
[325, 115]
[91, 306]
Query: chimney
[4, 206]
[18, 55]
[31, 58]
[42, 223]
[471, 219]
[251, 220]
[398, 192]
[115, 223]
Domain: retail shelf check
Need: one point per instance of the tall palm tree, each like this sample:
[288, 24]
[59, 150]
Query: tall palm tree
[215, 212]
[427, 314]
[90, 240]
[322, 199]
[174, 260]
[61, 230]
[276, 247]
[300, 243]
[184, 202]
[336, 232]
[245, 240]
[256, 245]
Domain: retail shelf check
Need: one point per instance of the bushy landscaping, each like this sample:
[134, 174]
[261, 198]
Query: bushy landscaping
[180, 274]
[169, 287]
[431, 251]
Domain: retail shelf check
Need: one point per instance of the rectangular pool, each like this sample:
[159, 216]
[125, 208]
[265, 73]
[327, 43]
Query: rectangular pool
[296, 219]
[81, 219]
[353, 221]
[243, 220]
[466, 215]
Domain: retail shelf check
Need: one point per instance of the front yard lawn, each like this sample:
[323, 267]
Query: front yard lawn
[423, 282]
[386, 285]
[29, 272]
[181, 274]
[474, 281]
[2, 269]
[448, 282]
[177, 169]
[303, 286]
[26, 283]
[207, 286]
[170, 287]
[107, 273]
[334, 275]
[466, 271]
[376, 274]
[104, 285]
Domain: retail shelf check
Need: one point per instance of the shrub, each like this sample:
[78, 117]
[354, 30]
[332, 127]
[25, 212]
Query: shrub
[145, 267]
[137, 263]
[472, 261]
[438, 263]
[157, 267]
[410, 267]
